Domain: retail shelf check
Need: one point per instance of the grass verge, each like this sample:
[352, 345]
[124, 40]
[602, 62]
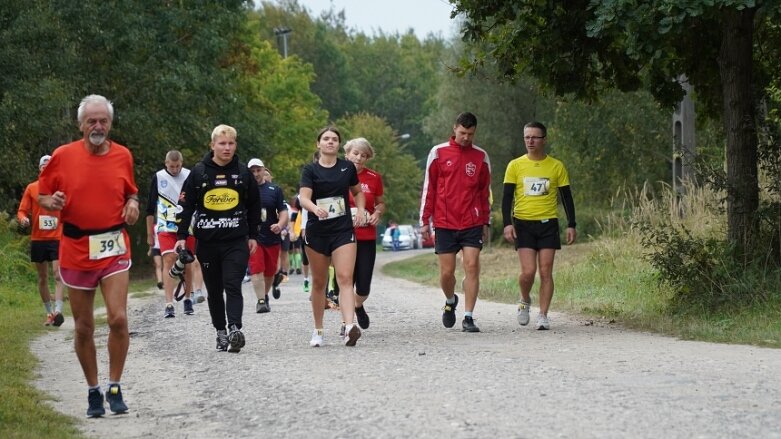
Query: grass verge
[607, 280]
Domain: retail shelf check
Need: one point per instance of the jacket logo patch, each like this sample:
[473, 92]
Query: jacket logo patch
[222, 182]
[221, 199]
[471, 168]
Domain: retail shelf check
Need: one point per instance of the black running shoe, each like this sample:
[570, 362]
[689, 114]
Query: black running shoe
[276, 292]
[363, 318]
[188, 307]
[235, 339]
[159, 285]
[114, 398]
[58, 319]
[222, 340]
[351, 335]
[278, 279]
[95, 400]
[298, 271]
[449, 313]
[170, 312]
[262, 306]
[468, 325]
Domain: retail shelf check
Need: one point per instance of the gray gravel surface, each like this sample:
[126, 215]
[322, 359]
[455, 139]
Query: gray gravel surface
[410, 377]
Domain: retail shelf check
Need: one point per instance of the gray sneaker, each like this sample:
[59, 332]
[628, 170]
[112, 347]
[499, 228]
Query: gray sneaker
[235, 339]
[262, 306]
[543, 322]
[222, 340]
[523, 313]
[199, 297]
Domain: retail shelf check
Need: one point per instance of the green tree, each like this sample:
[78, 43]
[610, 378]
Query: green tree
[401, 177]
[35, 92]
[502, 108]
[586, 46]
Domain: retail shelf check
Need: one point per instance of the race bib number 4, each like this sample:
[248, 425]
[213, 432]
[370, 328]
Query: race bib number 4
[535, 186]
[333, 205]
[106, 245]
[46, 222]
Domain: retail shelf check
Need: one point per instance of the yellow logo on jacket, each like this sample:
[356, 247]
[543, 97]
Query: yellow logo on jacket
[221, 199]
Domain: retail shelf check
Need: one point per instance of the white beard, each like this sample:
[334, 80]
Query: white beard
[97, 139]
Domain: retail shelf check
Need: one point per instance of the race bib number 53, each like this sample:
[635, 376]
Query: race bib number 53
[106, 245]
[46, 222]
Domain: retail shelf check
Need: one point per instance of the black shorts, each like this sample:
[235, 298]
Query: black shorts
[451, 241]
[156, 251]
[44, 251]
[326, 244]
[537, 234]
[295, 244]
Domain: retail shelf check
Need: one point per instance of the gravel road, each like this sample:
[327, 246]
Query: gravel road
[410, 377]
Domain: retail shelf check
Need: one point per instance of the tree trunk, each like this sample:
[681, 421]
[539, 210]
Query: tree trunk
[735, 66]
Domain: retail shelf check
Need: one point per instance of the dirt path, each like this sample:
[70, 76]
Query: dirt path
[410, 377]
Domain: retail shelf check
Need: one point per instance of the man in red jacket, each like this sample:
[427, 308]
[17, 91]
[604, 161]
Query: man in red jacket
[455, 199]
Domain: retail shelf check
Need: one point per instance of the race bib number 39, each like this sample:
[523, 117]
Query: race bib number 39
[333, 205]
[106, 245]
[535, 187]
[46, 222]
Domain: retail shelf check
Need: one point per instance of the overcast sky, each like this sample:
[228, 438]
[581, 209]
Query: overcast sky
[369, 16]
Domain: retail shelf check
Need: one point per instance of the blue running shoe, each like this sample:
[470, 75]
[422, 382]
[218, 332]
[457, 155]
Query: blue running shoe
[114, 398]
[95, 400]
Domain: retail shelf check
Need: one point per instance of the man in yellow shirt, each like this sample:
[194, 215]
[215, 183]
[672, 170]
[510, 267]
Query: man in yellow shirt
[533, 184]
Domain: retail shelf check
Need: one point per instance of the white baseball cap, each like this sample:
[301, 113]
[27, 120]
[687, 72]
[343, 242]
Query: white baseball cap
[255, 162]
[44, 160]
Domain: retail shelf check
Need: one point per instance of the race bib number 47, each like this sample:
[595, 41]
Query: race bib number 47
[535, 187]
[106, 245]
[333, 205]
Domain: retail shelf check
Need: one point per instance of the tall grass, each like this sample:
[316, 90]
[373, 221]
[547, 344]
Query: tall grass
[23, 411]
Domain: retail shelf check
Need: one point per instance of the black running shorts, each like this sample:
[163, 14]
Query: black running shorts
[44, 251]
[537, 234]
[326, 244]
[451, 241]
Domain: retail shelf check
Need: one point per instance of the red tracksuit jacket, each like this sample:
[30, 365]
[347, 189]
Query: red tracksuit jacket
[456, 187]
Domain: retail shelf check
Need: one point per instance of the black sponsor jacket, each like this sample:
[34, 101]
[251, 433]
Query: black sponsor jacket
[224, 200]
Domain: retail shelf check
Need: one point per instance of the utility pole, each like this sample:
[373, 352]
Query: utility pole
[282, 33]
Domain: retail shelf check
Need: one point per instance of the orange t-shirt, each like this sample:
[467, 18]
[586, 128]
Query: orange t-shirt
[96, 188]
[45, 224]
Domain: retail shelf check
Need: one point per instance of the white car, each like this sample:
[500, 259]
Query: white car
[408, 238]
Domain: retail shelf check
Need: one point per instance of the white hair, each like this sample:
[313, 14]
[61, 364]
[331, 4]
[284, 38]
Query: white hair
[94, 99]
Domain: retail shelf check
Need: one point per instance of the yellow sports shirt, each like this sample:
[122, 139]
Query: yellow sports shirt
[537, 186]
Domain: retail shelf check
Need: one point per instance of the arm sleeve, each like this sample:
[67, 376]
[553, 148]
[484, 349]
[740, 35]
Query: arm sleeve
[281, 206]
[151, 200]
[569, 205]
[253, 208]
[429, 190]
[188, 200]
[507, 204]
[25, 205]
[486, 191]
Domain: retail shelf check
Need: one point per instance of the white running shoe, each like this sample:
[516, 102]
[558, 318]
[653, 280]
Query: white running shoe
[543, 322]
[317, 338]
[351, 334]
[523, 313]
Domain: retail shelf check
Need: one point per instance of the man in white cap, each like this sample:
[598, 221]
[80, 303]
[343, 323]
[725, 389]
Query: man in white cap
[263, 263]
[45, 236]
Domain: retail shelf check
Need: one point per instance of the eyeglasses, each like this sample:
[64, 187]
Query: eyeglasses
[527, 138]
